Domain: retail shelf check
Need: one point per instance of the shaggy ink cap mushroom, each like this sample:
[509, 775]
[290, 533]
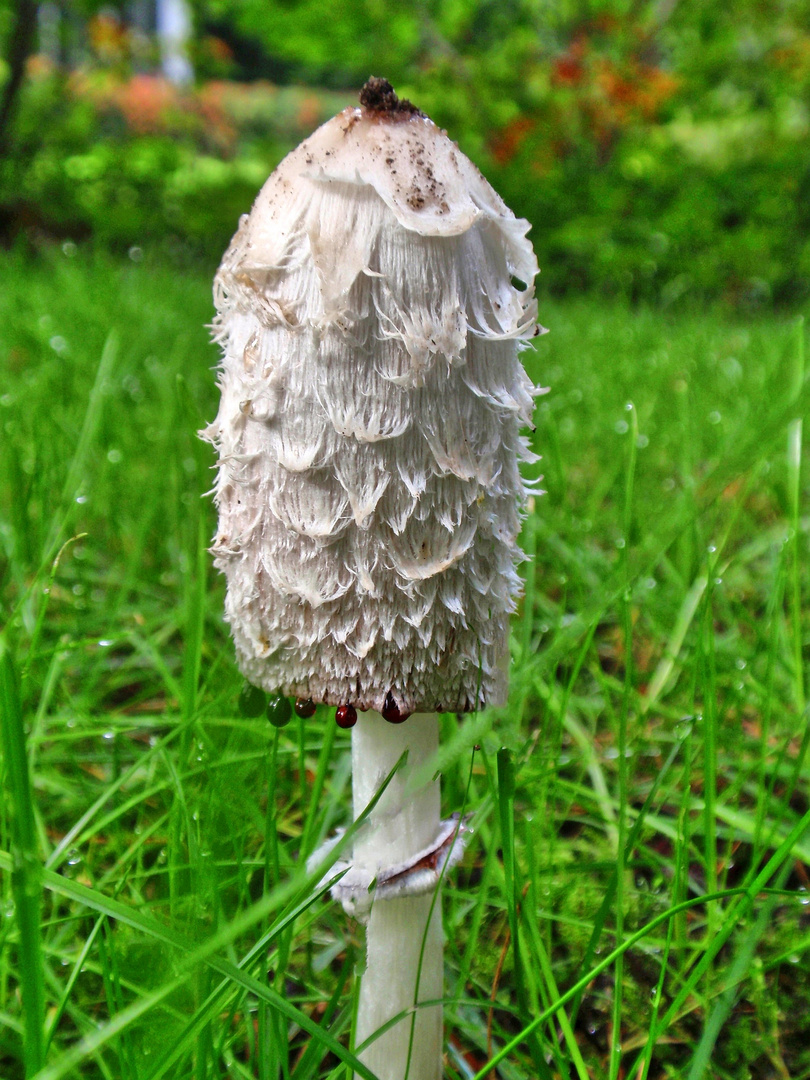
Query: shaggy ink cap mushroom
[370, 312]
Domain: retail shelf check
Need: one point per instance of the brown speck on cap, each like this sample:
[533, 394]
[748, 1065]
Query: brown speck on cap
[378, 96]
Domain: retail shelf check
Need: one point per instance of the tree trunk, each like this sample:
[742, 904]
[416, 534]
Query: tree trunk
[21, 45]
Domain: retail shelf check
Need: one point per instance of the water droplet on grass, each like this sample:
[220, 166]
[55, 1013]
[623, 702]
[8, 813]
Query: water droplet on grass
[621, 427]
[683, 729]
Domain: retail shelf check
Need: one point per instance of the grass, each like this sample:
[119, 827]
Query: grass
[634, 900]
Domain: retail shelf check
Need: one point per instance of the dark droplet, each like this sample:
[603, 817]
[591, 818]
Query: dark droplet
[279, 712]
[346, 716]
[390, 710]
[251, 701]
[304, 707]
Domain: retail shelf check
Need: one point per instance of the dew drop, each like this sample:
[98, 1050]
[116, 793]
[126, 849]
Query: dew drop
[345, 716]
[390, 710]
[279, 712]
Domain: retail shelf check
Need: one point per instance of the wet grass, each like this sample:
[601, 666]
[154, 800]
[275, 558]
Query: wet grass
[634, 900]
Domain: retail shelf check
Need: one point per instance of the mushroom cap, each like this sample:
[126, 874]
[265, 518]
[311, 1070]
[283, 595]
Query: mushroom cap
[420, 174]
[369, 427]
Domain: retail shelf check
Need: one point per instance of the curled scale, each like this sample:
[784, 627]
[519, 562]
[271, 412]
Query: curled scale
[370, 311]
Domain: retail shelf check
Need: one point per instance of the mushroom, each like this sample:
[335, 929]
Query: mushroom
[370, 310]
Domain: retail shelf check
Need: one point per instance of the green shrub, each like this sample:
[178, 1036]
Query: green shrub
[135, 161]
[663, 161]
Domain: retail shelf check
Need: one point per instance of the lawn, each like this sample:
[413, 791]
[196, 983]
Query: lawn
[649, 909]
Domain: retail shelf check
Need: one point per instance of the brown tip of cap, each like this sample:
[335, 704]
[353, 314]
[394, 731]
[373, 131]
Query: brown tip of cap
[378, 96]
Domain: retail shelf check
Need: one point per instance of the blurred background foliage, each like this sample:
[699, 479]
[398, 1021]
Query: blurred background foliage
[659, 147]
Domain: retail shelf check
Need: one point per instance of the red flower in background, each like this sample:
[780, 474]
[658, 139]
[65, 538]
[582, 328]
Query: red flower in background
[147, 102]
[595, 92]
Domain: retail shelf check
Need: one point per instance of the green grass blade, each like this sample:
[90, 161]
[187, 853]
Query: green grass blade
[794, 467]
[506, 812]
[192, 956]
[24, 864]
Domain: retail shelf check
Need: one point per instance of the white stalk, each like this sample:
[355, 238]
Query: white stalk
[404, 822]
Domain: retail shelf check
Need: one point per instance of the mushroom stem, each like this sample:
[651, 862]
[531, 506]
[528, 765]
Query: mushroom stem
[404, 822]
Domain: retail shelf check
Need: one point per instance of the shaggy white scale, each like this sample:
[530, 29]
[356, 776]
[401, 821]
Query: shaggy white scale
[370, 310]
[369, 429]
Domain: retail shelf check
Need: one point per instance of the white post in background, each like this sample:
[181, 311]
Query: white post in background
[173, 19]
[49, 27]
